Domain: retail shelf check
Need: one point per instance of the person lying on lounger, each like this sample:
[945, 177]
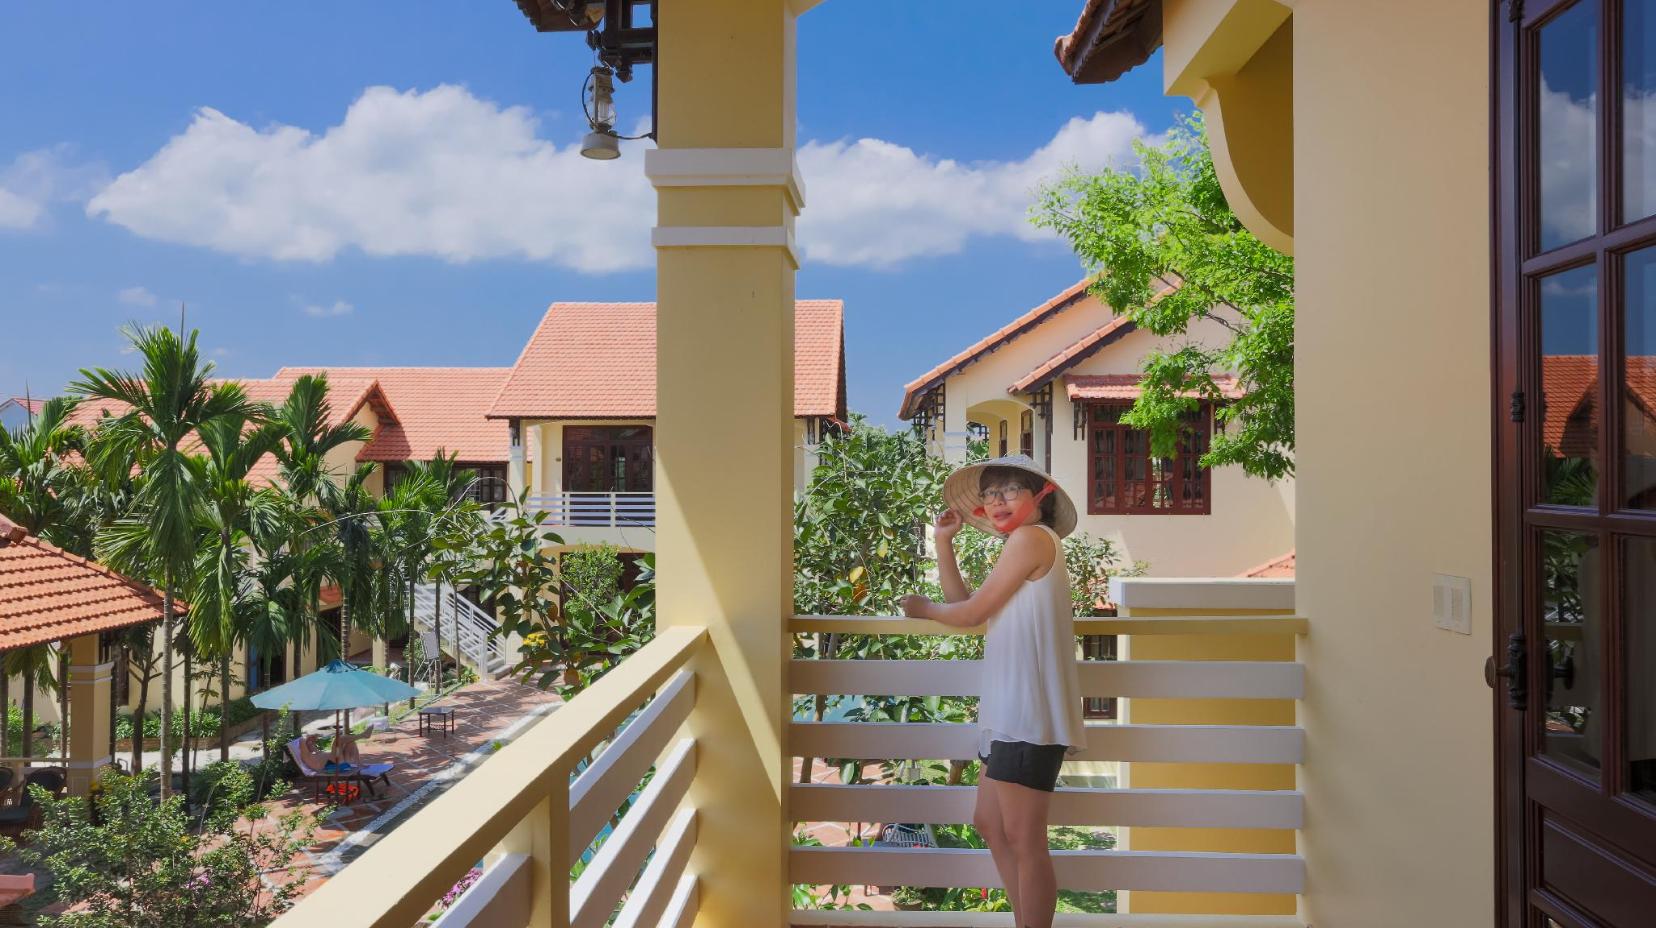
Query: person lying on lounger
[343, 756]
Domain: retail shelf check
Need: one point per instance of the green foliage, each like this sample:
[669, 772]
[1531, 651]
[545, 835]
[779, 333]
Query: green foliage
[860, 526]
[204, 722]
[592, 572]
[1167, 222]
[513, 569]
[129, 861]
[595, 636]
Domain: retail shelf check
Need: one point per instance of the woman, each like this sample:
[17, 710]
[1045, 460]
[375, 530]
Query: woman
[1029, 708]
[342, 756]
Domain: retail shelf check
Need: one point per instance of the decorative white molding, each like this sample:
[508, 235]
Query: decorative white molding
[1203, 594]
[726, 167]
[91, 673]
[725, 237]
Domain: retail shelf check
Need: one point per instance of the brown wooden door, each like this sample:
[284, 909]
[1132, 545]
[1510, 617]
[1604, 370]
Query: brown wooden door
[608, 459]
[1575, 401]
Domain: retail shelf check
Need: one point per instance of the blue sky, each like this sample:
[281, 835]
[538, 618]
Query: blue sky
[323, 183]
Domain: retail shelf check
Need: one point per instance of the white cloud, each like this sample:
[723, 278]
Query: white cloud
[35, 179]
[439, 173]
[442, 173]
[875, 203]
[137, 296]
[338, 308]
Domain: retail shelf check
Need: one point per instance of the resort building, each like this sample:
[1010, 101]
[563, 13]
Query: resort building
[16, 411]
[1053, 384]
[581, 407]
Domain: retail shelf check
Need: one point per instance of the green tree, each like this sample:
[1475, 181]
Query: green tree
[166, 403]
[231, 506]
[38, 484]
[512, 569]
[359, 562]
[126, 861]
[1168, 222]
[312, 435]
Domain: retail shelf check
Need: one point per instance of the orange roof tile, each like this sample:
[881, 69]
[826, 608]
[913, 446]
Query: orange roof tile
[1128, 386]
[1102, 337]
[1111, 37]
[27, 404]
[988, 345]
[47, 594]
[1280, 567]
[598, 361]
[436, 409]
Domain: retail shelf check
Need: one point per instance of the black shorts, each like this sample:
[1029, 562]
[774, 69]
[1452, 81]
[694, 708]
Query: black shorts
[1032, 765]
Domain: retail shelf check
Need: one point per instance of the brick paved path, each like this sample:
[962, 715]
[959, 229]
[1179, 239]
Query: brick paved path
[426, 765]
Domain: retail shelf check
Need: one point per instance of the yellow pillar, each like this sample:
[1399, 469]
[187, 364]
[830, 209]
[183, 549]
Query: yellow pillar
[728, 192]
[89, 719]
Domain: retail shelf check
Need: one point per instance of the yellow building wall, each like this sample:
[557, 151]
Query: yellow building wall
[1391, 109]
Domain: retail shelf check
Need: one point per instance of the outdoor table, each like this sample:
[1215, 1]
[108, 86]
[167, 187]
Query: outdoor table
[437, 718]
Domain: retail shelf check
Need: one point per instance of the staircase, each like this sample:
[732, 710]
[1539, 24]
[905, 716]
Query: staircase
[478, 646]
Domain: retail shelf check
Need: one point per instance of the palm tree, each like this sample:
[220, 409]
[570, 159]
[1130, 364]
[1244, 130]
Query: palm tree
[38, 485]
[234, 444]
[165, 404]
[311, 436]
[354, 515]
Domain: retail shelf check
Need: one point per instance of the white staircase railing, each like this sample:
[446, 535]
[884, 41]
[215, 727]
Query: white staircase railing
[477, 644]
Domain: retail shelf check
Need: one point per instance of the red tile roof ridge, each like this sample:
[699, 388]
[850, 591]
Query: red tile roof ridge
[1281, 566]
[989, 343]
[1100, 337]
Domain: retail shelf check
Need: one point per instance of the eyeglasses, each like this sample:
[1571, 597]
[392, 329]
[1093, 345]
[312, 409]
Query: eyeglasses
[1008, 494]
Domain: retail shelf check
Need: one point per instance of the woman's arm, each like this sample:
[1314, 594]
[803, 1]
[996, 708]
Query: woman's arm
[1024, 554]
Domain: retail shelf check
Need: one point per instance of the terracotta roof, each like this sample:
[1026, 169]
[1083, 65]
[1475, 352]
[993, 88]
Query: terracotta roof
[1569, 385]
[28, 404]
[1093, 342]
[1111, 37]
[598, 361]
[437, 409]
[988, 345]
[558, 15]
[1128, 386]
[1281, 567]
[47, 594]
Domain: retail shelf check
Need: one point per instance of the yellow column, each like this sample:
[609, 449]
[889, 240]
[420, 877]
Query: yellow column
[89, 720]
[727, 196]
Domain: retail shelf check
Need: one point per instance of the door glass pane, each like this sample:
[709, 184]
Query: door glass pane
[1569, 387]
[1639, 588]
[1568, 114]
[1638, 399]
[1638, 111]
[1572, 625]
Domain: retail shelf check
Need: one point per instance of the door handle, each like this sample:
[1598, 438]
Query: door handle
[1517, 681]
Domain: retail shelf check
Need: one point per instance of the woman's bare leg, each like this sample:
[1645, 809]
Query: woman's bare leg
[1024, 819]
[987, 818]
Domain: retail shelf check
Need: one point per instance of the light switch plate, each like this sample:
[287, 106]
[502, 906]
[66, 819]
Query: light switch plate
[1452, 603]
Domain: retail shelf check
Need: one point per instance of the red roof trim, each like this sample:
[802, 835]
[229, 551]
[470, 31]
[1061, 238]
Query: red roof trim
[996, 340]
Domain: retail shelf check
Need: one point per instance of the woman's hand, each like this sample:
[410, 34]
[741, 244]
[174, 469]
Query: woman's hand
[916, 606]
[946, 525]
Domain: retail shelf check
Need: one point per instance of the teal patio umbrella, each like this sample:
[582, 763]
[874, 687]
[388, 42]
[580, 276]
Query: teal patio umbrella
[337, 686]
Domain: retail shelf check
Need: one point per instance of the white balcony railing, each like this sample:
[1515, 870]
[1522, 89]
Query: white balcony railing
[1089, 871]
[530, 812]
[597, 510]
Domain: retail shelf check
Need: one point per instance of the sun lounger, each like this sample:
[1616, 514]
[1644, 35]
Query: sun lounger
[364, 775]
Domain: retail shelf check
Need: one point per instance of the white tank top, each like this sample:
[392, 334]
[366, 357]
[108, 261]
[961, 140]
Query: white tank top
[1030, 690]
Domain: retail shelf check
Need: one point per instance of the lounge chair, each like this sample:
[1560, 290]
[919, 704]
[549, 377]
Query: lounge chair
[25, 815]
[366, 775]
